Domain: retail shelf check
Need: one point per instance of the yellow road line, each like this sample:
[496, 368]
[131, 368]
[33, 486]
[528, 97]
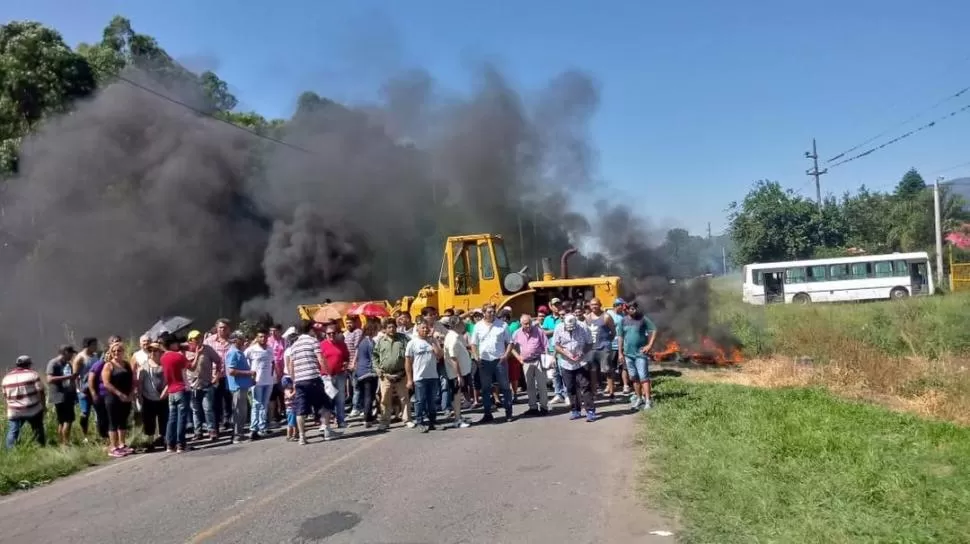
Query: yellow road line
[214, 530]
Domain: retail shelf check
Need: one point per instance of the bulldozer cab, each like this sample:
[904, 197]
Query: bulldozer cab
[472, 271]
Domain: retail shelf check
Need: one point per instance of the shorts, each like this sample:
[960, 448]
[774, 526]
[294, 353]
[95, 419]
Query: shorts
[639, 368]
[311, 398]
[469, 380]
[277, 393]
[84, 403]
[604, 361]
[64, 412]
[290, 417]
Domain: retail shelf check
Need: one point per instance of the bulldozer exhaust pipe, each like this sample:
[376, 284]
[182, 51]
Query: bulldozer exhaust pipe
[547, 269]
[564, 264]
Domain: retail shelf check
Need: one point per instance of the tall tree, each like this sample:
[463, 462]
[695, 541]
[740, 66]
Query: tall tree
[773, 224]
[911, 185]
[39, 75]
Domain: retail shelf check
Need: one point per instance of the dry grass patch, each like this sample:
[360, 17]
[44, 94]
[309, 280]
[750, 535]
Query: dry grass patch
[935, 389]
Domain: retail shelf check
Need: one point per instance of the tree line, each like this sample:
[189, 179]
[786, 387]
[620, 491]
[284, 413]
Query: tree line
[776, 224]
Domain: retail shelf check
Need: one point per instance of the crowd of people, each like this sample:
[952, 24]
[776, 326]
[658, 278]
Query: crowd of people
[226, 382]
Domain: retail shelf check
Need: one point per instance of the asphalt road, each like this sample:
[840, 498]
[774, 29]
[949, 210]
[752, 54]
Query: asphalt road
[532, 480]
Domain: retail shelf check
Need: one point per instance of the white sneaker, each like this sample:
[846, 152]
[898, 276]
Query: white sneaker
[410, 424]
[646, 405]
[635, 403]
[354, 413]
[557, 400]
[461, 424]
[626, 390]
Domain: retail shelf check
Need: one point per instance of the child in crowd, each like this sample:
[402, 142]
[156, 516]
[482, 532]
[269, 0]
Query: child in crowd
[289, 392]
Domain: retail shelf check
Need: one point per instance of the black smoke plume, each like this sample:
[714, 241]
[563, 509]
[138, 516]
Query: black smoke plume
[132, 207]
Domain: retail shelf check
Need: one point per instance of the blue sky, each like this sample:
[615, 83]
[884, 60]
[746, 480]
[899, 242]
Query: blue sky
[699, 98]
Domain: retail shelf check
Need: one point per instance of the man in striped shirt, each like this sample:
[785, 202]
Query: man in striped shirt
[24, 395]
[303, 364]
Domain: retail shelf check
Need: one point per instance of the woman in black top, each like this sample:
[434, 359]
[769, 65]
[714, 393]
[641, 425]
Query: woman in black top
[118, 380]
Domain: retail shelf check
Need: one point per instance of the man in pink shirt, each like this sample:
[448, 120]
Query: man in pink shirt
[219, 342]
[277, 345]
[528, 344]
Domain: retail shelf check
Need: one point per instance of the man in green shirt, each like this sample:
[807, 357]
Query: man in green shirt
[389, 364]
[636, 334]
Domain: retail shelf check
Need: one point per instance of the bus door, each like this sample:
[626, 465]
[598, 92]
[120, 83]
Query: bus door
[918, 278]
[774, 283]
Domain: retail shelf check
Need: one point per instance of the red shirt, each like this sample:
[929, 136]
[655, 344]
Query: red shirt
[336, 356]
[173, 368]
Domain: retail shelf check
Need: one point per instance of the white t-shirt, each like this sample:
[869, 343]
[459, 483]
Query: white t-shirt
[423, 362]
[286, 355]
[491, 339]
[455, 347]
[261, 361]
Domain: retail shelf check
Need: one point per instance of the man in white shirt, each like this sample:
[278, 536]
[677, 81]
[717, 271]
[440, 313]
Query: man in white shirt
[458, 365]
[421, 365]
[572, 343]
[260, 358]
[491, 345]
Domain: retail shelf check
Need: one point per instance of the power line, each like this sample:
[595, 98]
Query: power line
[903, 136]
[214, 117]
[901, 123]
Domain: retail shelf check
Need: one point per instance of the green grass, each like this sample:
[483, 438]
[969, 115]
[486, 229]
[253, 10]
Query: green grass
[930, 327]
[744, 464]
[28, 465]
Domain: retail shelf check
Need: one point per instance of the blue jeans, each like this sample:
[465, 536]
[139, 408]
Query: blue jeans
[558, 388]
[15, 425]
[260, 416]
[178, 419]
[203, 409]
[355, 401]
[446, 396]
[490, 372]
[426, 393]
[340, 403]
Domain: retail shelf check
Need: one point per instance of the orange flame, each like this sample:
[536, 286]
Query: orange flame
[708, 352]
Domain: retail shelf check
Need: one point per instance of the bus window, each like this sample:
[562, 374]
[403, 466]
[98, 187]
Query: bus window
[795, 275]
[816, 273]
[883, 269]
[757, 277]
[839, 271]
[900, 269]
[860, 270]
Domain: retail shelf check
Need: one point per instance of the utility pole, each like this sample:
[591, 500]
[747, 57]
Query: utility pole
[708, 230]
[816, 173]
[724, 259]
[938, 227]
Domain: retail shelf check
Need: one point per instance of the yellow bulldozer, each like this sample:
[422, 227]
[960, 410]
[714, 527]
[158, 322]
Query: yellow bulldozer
[475, 271]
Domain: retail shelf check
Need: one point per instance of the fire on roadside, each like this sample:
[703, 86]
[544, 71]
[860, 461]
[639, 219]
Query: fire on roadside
[706, 352]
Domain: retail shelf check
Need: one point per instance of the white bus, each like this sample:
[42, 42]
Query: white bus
[866, 277]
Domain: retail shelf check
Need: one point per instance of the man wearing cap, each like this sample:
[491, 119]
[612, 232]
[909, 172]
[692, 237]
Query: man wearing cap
[572, 342]
[637, 334]
[204, 363]
[550, 321]
[25, 400]
[63, 392]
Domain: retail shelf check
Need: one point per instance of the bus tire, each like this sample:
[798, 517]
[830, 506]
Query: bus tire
[801, 298]
[898, 293]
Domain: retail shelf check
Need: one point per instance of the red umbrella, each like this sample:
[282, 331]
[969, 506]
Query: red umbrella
[369, 309]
